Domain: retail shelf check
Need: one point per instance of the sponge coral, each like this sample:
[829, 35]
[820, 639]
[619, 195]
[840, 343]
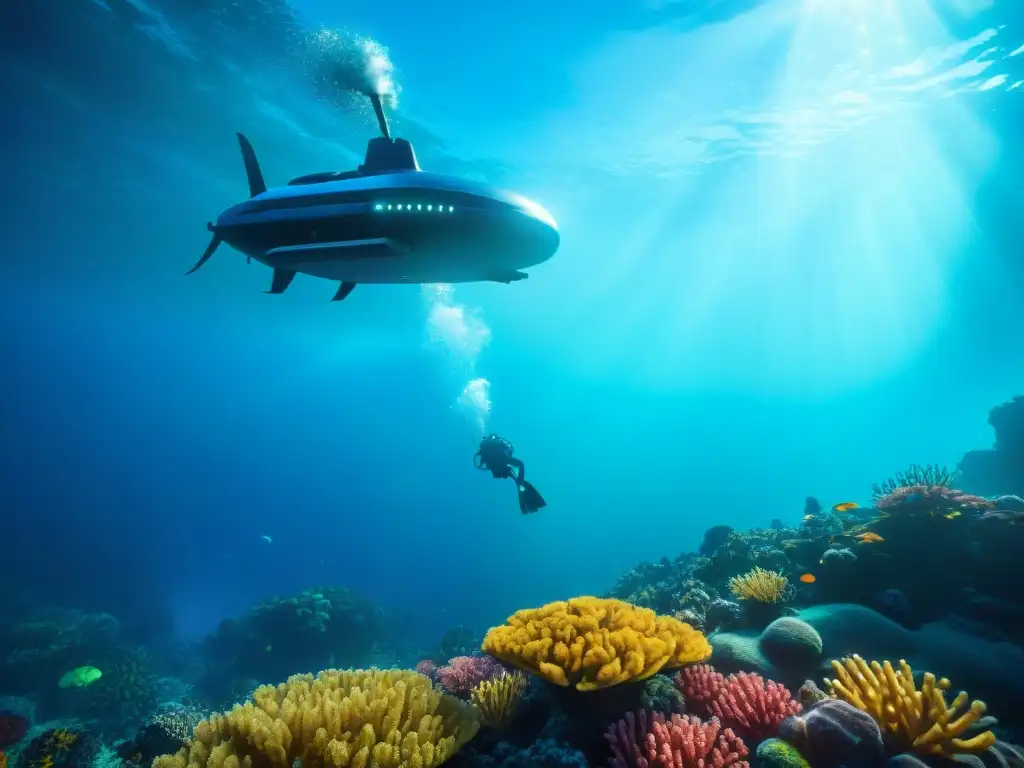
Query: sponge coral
[919, 720]
[357, 718]
[593, 643]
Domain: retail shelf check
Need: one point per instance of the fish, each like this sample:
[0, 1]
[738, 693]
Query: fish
[952, 515]
[808, 518]
[808, 578]
[79, 677]
[869, 537]
[267, 539]
[845, 506]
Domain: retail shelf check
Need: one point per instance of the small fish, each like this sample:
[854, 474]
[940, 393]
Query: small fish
[952, 515]
[79, 677]
[808, 578]
[808, 518]
[869, 538]
[267, 539]
[845, 506]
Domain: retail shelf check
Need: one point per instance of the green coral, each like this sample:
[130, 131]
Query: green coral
[776, 753]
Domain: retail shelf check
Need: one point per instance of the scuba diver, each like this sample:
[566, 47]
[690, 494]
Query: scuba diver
[495, 456]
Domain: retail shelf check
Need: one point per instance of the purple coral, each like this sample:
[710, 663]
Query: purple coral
[929, 500]
[463, 673]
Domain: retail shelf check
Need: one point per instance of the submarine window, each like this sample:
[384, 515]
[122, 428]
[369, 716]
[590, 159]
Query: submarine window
[411, 206]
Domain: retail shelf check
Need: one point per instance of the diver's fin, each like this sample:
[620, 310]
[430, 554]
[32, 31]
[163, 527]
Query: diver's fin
[281, 280]
[344, 290]
[252, 167]
[530, 499]
[207, 253]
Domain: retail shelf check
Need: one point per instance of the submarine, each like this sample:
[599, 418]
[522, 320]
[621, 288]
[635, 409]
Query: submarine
[387, 221]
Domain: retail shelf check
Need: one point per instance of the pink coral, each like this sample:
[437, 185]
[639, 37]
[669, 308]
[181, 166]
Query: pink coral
[929, 500]
[699, 685]
[427, 668]
[753, 706]
[681, 742]
[462, 673]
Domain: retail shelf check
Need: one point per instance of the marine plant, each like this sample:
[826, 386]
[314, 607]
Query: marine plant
[363, 717]
[463, 673]
[498, 698]
[916, 720]
[591, 643]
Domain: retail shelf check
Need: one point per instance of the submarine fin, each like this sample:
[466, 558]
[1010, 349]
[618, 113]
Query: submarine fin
[281, 280]
[513, 276]
[206, 254]
[344, 290]
[252, 167]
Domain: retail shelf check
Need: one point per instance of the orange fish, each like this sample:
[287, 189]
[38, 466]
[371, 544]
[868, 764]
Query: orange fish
[846, 506]
[868, 538]
[808, 578]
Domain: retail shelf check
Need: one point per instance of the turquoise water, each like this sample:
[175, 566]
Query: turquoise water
[790, 265]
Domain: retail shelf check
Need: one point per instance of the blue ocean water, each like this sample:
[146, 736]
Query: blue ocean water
[790, 264]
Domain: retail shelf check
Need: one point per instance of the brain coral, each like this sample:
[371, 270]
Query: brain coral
[789, 642]
[593, 643]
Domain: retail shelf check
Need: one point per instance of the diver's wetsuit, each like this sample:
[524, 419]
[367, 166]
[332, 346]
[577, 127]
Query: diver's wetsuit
[496, 455]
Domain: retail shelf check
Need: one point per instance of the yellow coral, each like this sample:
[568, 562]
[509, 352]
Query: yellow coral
[360, 718]
[921, 720]
[760, 585]
[594, 642]
[498, 698]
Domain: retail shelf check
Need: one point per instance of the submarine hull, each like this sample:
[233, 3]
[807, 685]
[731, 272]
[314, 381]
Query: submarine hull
[404, 228]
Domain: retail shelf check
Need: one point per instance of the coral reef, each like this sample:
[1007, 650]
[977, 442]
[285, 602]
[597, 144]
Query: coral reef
[316, 629]
[339, 718]
[592, 643]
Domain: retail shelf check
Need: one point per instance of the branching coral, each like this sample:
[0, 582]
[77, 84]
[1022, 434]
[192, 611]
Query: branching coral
[593, 643]
[916, 474]
[462, 673]
[498, 698]
[358, 718]
[760, 586]
[919, 720]
[679, 742]
[745, 702]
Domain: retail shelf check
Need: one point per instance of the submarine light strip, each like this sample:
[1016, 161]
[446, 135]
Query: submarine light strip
[430, 207]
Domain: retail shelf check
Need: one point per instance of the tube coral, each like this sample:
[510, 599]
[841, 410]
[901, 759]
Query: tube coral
[919, 720]
[358, 718]
[699, 685]
[753, 706]
[593, 643]
[760, 585]
[681, 742]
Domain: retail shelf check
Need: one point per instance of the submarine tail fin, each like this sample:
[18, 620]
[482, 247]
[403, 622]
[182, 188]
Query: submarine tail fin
[257, 185]
[207, 253]
[344, 290]
[281, 280]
